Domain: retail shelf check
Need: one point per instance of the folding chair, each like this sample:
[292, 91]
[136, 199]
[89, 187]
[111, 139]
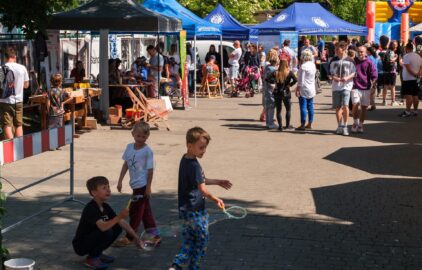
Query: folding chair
[211, 89]
[142, 111]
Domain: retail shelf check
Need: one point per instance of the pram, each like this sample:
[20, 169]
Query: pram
[248, 82]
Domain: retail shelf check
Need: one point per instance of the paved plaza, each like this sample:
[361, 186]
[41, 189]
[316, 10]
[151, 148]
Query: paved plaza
[315, 200]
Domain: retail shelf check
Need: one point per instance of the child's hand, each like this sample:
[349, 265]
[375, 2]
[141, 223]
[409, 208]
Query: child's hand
[123, 214]
[226, 184]
[219, 203]
[119, 187]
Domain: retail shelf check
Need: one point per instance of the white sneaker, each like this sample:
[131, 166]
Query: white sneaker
[345, 131]
[339, 130]
[360, 129]
[354, 128]
[395, 104]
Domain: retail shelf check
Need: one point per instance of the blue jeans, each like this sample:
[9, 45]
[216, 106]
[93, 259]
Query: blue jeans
[190, 81]
[306, 108]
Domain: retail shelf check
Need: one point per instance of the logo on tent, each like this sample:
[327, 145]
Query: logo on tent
[320, 22]
[217, 19]
[282, 18]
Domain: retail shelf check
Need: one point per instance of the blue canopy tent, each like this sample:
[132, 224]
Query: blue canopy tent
[194, 25]
[309, 19]
[232, 29]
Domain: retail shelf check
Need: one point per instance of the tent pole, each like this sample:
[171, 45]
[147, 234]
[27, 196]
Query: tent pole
[77, 46]
[158, 67]
[105, 100]
[221, 61]
[194, 75]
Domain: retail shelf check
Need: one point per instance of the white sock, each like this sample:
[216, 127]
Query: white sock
[356, 122]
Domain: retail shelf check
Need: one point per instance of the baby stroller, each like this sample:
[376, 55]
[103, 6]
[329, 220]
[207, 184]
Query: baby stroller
[248, 82]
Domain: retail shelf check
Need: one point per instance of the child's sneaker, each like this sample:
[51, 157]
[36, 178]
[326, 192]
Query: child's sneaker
[354, 128]
[106, 258]
[360, 129]
[339, 130]
[95, 263]
[122, 242]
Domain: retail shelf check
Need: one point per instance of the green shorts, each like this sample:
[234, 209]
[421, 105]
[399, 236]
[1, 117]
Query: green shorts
[11, 115]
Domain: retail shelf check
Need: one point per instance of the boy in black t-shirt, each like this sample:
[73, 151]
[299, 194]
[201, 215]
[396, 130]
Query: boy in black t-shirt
[99, 225]
[192, 194]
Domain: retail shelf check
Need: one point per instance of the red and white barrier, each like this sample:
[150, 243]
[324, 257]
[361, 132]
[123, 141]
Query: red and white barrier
[33, 144]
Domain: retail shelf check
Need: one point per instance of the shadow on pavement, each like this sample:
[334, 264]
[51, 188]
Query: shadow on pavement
[371, 224]
[401, 160]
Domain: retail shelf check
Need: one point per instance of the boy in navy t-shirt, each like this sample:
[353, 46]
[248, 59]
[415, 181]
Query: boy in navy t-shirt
[192, 194]
[99, 225]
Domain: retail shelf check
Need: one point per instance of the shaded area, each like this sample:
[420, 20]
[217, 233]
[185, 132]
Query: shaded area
[384, 233]
[402, 160]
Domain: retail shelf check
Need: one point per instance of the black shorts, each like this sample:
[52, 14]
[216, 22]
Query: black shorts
[380, 80]
[409, 88]
[390, 79]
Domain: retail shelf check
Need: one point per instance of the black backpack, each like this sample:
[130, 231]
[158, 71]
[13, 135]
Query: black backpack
[387, 66]
[7, 82]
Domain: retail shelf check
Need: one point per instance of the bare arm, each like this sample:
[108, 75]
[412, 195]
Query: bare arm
[125, 226]
[208, 195]
[26, 84]
[410, 70]
[122, 175]
[226, 184]
[149, 182]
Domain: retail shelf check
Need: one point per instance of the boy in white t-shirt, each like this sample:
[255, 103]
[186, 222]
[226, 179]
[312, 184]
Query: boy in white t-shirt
[139, 160]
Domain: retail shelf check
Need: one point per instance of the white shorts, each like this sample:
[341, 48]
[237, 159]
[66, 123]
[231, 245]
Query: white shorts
[362, 97]
[234, 72]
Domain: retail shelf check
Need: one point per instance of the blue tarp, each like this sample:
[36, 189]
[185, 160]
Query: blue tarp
[232, 28]
[193, 24]
[309, 19]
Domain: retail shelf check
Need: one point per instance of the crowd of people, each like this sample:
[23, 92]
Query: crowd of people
[358, 72]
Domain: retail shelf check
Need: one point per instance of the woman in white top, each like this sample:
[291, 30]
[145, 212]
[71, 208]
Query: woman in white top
[306, 89]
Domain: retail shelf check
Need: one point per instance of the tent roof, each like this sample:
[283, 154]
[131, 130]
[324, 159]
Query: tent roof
[232, 28]
[193, 24]
[309, 19]
[416, 28]
[115, 15]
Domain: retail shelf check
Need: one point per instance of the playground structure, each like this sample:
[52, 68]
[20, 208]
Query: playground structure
[392, 18]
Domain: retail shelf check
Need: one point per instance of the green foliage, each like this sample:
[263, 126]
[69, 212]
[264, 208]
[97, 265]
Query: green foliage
[242, 10]
[31, 15]
[352, 11]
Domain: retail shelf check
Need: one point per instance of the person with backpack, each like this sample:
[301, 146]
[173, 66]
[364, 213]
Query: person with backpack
[389, 67]
[13, 79]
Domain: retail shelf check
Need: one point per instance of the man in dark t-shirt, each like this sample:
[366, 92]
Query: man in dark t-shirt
[99, 226]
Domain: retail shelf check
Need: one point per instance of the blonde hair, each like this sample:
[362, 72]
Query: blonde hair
[56, 80]
[306, 56]
[195, 134]
[283, 71]
[273, 57]
[141, 127]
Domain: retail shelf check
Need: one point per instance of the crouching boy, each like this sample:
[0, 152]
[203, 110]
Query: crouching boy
[99, 226]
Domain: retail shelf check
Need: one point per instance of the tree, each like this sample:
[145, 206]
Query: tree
[242, 10]
[31, 15]
[352, 10]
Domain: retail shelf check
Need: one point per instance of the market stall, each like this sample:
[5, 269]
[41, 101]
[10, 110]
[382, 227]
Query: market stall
[105, 16]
